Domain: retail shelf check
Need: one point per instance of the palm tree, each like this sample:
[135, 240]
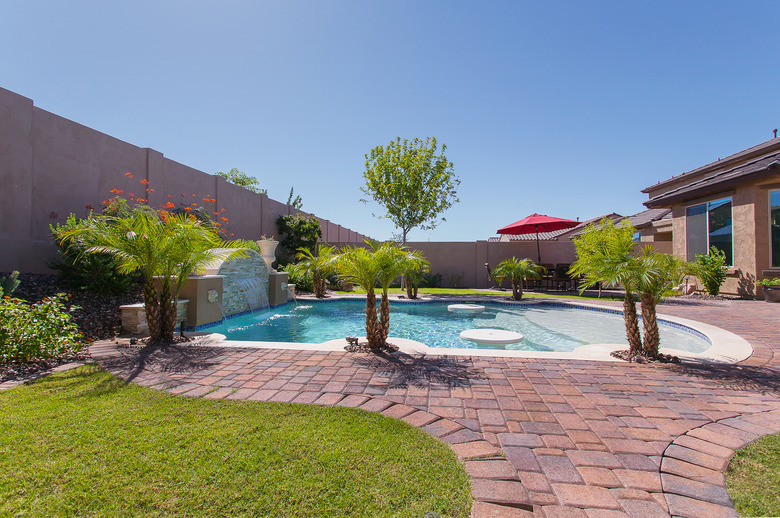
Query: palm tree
[358, 266]
[517, 270]
[604, 256]
[375, 265]
[161, 246]
[320, 266]
[392, 260]
[415, 266]
[658, 273]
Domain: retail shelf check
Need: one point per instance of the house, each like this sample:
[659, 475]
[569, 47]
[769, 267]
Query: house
[732, 204]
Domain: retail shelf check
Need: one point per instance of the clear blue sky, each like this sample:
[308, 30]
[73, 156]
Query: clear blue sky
[563, 108]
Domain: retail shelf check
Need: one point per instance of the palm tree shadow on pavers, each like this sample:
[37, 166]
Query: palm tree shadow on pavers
[735, 377]
[405, 370]
[170, 359]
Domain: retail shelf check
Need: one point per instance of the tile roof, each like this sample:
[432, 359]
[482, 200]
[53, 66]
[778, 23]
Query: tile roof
[638, 220]
[647, 217]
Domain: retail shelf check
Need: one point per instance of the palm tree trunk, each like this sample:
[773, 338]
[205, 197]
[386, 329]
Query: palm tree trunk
[152, 307]
[167, 312]
[384, 318]
[318, 283]
[517, 290]
[632, 325]
[372, 326]
[651, 337]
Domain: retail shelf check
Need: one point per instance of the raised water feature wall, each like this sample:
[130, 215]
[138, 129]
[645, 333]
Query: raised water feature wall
[236, 273]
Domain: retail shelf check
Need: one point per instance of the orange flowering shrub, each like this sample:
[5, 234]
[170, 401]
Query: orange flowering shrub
[124, 201]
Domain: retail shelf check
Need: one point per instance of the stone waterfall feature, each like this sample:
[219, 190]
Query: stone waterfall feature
[245, 284]
[228, 288]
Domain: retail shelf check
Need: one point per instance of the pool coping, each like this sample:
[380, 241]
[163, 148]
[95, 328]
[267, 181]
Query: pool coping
[726, 347]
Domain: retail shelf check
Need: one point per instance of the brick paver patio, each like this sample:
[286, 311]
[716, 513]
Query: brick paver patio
[538, 437]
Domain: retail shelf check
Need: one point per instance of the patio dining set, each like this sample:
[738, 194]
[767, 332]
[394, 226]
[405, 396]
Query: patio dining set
[555, 277]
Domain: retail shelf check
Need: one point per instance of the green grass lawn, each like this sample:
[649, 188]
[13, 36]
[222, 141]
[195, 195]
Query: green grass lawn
[84, 443]
[753, 478]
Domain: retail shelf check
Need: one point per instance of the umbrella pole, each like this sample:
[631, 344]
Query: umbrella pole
[538, 252]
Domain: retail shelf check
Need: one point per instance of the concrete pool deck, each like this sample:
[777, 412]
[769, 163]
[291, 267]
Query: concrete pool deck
[539, 436]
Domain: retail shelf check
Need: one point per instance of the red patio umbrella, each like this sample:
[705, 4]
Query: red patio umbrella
[537, 223]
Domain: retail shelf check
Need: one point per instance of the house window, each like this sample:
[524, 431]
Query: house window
[707, 225]
[774, 222]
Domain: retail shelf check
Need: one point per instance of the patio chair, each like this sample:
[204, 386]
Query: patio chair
[547, 277]
[562, 279]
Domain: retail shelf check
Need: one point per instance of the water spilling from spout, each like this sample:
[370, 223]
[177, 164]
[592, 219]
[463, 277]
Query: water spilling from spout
[256, 292]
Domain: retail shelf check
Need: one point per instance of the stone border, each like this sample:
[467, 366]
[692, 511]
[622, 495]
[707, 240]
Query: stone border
[693, 466]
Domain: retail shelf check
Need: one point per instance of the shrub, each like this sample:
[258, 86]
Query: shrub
[300, 232]
[299, 276]
[36, 331]
[82, 271]
[711, 269]
[431, 280]
[9, 284]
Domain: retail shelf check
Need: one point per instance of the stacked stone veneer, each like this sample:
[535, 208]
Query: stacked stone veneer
[233, 298]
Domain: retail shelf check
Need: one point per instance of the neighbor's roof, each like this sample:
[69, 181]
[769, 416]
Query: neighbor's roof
[720, 179]
[647, 217]
[638, 220]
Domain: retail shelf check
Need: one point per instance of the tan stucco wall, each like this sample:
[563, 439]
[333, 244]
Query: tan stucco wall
[51, 167]
[464, 262]
[750, 220]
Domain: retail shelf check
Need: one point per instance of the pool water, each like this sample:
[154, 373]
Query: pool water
[545, 327]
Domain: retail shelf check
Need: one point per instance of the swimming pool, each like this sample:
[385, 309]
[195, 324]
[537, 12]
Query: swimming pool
[545, 326]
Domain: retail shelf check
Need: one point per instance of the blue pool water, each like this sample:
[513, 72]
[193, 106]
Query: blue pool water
[545, 327]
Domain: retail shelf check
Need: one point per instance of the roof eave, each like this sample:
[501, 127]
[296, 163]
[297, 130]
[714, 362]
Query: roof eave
[668, 201]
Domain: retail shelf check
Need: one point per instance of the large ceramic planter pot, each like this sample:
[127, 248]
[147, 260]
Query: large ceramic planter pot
[268, 251]
[772, 293]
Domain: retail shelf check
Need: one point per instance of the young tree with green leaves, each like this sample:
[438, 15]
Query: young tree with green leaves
[413, 181]
[236, 177]
[517, 270]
